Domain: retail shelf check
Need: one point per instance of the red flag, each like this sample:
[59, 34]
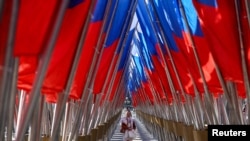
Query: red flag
[26, 72]
[33, 26]
[34, 22]
[204, 56]
[89, 48]
[219, 24]
[65, 47]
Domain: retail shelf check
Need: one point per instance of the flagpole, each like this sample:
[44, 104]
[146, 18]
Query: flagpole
[98, 112]
[54, 117]
[95, 116]
[1, 8]
[8, 62]
[45, 120]
[200, 108]
[51, 109]
[21, 105]
[65, 121]
[235, 99]
[35, 132]
[87, 114]
[93, 113]
[243, 56]
[12, 100]
[79, 118]
[33, 123]
[247, 3]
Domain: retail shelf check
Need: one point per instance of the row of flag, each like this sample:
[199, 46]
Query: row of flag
[149, 50]
[193, 44]
[208, 29]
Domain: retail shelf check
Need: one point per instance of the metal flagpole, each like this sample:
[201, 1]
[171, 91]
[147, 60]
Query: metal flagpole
[43, 65]
[87, 114]
[199, 108]
[247, 3]
[39, 119]
[74, 105]
[1, 8]
[6, 98]
[52, 109]
[61, 104]
[99, 113]
[45, 120]
[33, 123]
[12, 101]
[15, 113]
[243, 56]
[35, 133]
[235, 99]
[8, 63]
[68, 119]
[21, 103]
[81, 116]
[53, 117]
[93, 112]
[65, 121]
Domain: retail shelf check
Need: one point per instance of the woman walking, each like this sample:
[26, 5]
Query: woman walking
[128, 127]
